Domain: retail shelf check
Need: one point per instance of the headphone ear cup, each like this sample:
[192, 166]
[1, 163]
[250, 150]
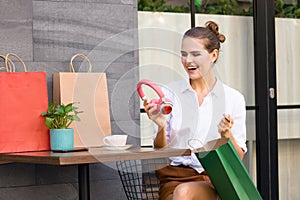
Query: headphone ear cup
[166, 107]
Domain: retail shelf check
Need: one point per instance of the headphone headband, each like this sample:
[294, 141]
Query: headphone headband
[150, 84]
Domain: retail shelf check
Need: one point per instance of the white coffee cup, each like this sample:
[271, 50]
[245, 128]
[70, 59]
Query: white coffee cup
[115, 140]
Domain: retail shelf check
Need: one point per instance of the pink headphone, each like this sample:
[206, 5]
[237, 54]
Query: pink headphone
[164, 105]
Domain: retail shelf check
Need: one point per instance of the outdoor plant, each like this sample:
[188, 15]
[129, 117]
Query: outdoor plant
[160, 6]
[224, 7]
[61, 116]
[288, 11]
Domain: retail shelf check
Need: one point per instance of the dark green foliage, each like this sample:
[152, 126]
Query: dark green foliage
[286, 11]
[224, 7]
[160, 6]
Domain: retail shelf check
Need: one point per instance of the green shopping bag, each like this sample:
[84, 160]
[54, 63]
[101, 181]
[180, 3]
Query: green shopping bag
[226, 171]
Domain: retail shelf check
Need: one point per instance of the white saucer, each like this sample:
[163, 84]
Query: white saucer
[127, 146]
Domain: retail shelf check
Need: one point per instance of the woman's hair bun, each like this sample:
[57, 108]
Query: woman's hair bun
[215, 29]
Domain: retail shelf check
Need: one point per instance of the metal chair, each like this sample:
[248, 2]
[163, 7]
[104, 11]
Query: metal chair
[138, 178]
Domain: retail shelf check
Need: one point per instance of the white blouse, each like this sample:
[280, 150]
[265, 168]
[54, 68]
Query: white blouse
[188, 120]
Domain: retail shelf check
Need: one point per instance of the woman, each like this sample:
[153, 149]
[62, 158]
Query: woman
[204, 109]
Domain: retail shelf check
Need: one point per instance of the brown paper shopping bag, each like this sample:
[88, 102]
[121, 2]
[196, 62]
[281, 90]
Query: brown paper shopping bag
[23, 97]
[90, 90]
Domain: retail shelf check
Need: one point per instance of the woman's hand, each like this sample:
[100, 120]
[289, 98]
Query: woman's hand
[154, 114]
[225, 125]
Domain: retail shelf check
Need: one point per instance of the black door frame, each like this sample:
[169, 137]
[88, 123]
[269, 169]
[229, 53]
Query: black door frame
[265, 99]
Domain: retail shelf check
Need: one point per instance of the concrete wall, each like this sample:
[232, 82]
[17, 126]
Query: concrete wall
[45, 34]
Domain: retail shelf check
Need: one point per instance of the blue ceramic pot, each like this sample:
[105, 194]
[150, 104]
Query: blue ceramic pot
[62, 139]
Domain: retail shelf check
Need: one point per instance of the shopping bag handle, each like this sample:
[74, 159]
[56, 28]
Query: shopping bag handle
[11, 65]
[16, 56]
[84, 57]
[192, 147]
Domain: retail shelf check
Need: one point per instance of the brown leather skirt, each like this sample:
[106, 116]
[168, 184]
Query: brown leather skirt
[171, 176]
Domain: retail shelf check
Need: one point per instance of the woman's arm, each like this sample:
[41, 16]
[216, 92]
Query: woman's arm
[160, 140]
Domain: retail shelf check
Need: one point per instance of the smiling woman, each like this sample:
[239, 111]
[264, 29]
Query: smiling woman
[204, 109]
[235, 67]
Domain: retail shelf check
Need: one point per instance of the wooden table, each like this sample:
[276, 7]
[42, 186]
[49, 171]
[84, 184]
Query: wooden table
[84, 158]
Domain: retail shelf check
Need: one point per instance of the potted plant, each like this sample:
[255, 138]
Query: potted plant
[58, 119]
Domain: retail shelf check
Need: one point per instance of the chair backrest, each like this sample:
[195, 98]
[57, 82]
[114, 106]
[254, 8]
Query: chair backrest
[139, 179]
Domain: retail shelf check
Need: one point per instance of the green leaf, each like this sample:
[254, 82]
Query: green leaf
[76, 118]
[51, 107]
[49, 122]
[77, 112]
[60, 109]
[198, 3]
[297, 13]
[69, 108]
[44, 114]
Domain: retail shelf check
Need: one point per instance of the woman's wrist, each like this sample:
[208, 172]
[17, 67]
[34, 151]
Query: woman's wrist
[226, 134]
[161, 123]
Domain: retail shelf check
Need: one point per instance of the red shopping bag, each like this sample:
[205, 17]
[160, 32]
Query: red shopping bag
[23, 97]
